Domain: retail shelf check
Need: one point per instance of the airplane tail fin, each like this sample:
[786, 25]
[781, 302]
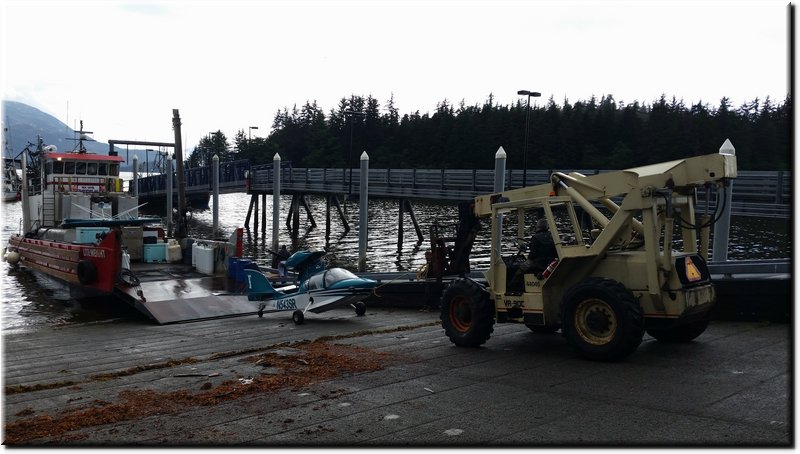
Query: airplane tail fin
[258, 286]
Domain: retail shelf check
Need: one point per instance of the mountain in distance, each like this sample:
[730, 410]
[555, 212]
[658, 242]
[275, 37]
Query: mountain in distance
[23, 123]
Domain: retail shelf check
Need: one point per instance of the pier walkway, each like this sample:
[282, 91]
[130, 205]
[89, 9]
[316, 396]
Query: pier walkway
[755, 193]
[129, 382]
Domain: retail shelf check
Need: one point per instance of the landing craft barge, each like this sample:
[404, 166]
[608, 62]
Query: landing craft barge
[81, 228]
[73, 210]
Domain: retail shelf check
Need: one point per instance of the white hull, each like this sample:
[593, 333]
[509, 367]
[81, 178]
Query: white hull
[314, 301]
[10, 196]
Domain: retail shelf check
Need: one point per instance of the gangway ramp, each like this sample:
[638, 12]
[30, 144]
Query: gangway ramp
[186, 299]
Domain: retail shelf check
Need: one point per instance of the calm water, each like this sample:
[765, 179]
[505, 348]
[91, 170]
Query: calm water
[32, 300]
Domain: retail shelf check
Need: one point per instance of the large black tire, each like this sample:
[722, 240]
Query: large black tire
[467, 313]
[87, 273]
[542, 329]
[602, 319]
[680, 333]
[298, 317]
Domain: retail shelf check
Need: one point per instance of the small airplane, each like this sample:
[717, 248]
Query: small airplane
[320, 289]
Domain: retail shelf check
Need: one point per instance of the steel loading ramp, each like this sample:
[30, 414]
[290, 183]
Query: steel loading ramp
[186, 299]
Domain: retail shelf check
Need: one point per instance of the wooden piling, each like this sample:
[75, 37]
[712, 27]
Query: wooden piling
[310, 215]
[250, 211]
[289, 216]
[410, 210]
[401, 207]
[255, 216]
[327, 219]
[341, 213]
[264, 215]
[296, 214]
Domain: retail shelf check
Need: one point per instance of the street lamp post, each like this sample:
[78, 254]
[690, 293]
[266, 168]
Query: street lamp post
[535, 94]
[350, 114]
[210, 151]
[250, 130]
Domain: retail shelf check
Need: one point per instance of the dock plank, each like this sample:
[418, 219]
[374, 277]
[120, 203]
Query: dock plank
[432, 388]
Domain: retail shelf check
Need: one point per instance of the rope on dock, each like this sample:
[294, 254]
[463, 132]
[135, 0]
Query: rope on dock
[402, 276]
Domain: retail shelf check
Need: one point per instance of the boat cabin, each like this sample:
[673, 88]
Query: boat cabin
[78, 185]
[82, 172]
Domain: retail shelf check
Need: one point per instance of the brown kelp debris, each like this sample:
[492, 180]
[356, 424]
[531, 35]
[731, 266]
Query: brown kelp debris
[320, 361]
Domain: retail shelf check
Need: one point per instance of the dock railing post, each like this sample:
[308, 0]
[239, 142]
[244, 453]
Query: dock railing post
[723, 225]
[169, 194]
[363, 213]
[499, 170]
[215, 193]
[499, 184]
[276, 196]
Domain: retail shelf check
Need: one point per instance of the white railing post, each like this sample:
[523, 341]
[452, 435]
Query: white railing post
[723, 225]
[276, 198]
[363, 211]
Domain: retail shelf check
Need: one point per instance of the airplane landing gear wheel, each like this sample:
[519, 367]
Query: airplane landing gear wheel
[260, 311]
[361, 308]
[298, 317]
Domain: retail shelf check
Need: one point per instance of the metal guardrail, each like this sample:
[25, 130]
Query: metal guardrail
[766, 266]
[755, 193]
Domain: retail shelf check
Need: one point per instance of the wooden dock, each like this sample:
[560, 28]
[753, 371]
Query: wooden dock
[131, 383]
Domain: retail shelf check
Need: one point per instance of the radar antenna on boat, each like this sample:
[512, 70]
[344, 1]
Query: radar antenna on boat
[82, 136]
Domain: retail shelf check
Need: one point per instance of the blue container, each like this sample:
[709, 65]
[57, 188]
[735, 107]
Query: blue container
[154, 253]
[233, 265]
[88, 235]
[240, 267]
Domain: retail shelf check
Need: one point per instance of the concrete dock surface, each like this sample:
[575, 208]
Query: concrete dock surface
[83, 385]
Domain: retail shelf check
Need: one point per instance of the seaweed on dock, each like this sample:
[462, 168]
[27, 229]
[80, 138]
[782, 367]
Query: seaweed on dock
[306, 363]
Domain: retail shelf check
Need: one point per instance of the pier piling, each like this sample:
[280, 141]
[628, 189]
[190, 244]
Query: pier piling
[215, 194]
[134, 185]
[363, 212]
[276, 198]
[723, 225]
[264, 215]
[169, 195]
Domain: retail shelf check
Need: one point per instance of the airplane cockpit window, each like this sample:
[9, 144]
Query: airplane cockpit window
[334, 275]
[315, 282]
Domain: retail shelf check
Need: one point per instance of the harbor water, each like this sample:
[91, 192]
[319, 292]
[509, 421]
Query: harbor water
[31, 300]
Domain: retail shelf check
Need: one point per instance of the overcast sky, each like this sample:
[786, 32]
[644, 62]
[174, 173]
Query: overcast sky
[123, 66]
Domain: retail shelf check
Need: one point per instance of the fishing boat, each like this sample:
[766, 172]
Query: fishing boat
[12, 182]
[74, 214]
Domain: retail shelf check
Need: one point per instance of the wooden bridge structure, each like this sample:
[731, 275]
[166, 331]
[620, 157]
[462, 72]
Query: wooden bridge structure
[755, 193]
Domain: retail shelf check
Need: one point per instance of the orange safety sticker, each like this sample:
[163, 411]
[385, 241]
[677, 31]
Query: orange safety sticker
[692, 273]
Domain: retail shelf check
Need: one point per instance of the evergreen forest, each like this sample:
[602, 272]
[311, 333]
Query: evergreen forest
[593, 134]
